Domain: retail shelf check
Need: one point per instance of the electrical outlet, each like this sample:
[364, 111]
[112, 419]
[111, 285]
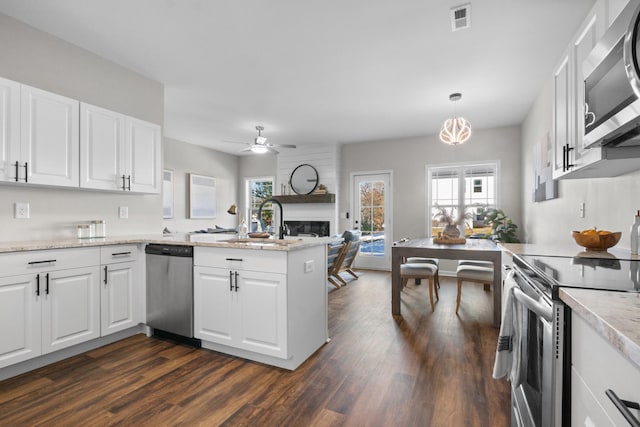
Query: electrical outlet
[308, 266]
[123, 212]
[21, 210]
[582, 210]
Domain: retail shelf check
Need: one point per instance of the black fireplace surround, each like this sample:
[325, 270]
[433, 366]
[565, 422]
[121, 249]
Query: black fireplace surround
[308, 228]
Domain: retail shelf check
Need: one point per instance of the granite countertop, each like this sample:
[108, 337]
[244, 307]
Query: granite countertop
[615, 315]
[229, 241]
[569, 249]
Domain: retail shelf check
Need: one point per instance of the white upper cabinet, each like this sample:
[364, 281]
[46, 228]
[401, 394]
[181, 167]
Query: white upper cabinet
[49, 137]
[118, 152]
[9, 129]
[101, 148]
[142, 156]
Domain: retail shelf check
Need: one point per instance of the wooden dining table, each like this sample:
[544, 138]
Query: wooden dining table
[472, 249]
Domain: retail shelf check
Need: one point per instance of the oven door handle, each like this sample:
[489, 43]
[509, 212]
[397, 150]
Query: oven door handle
[546, 312]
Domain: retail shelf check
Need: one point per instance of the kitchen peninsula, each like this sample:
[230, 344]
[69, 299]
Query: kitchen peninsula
[260, 299]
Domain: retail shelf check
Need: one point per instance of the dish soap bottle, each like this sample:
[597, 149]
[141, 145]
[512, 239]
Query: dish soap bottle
[243, 229]
[635, 228]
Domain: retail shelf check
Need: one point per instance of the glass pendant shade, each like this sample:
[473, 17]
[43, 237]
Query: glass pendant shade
[455, 131]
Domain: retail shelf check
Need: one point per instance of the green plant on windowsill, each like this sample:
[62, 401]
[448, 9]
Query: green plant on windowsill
[503, 228]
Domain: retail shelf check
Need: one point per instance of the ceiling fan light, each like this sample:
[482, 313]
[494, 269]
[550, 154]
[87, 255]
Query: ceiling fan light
[259, 149]
[455, 131]
[260, 139]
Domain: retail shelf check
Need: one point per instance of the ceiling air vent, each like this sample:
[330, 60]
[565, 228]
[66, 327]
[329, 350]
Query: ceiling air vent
[461, 17]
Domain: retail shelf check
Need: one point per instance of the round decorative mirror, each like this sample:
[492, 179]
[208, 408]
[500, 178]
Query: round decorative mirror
[304, 179]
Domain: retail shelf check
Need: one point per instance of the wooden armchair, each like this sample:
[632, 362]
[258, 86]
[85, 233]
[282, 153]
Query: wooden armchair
[335, 255]
[350, 251]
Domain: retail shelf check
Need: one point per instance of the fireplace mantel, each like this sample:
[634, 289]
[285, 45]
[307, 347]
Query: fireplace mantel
[307, 198]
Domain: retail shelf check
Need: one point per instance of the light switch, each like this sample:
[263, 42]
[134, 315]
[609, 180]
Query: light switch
[582, 210]
[123, 212]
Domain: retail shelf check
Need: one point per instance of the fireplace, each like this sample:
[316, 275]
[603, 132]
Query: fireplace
[308, 228]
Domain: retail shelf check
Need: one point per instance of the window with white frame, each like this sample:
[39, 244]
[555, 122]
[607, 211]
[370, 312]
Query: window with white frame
[258, 190]
[461, 193]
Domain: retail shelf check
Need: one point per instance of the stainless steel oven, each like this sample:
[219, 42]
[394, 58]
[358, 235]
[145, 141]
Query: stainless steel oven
[537, 384]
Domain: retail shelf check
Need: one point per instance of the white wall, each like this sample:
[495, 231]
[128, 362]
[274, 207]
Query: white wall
[38, 59]
[407, 158]
[610, 203]
[184, 159]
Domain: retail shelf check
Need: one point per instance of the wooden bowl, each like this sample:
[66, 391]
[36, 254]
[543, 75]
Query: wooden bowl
[259, 235]
[597, 242]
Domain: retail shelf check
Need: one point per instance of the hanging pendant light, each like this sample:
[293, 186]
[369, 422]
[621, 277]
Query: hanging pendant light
[457, 130]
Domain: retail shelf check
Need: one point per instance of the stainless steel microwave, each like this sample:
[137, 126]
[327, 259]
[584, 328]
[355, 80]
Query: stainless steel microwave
[612, 84]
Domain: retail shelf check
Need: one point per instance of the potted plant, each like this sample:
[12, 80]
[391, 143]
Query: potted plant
[502, 227]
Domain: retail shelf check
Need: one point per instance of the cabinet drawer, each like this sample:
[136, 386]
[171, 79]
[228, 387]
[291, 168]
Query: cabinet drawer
[12, 264]
[118, 253]
[241, 259]
[603, 367]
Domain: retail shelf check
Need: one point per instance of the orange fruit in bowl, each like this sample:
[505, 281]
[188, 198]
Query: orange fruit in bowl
[589, 232]
[604, 232]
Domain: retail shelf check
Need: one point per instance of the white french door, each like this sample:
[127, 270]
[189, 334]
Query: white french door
[372, 216]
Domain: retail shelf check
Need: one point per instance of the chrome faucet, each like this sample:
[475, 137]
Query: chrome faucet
[283, 230]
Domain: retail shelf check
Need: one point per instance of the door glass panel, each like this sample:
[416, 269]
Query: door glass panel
[372, 194]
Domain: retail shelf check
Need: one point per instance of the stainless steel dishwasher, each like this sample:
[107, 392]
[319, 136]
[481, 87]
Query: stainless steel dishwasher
[170, 292]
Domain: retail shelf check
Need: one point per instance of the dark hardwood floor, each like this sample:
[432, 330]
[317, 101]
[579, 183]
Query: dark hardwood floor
[421, 369]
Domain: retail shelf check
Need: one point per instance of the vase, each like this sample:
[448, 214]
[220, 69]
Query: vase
[451, 230]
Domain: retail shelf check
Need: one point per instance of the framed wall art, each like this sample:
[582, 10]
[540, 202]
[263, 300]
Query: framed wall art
[202, 197]
[167, 193]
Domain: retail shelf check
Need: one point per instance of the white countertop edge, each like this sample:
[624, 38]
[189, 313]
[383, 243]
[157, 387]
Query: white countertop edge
[614, 315]
[174, 239]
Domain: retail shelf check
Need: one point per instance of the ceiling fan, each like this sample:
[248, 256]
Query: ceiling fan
[260, 144]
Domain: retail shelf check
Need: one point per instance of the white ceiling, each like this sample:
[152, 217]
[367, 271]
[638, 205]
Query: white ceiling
[313, 71]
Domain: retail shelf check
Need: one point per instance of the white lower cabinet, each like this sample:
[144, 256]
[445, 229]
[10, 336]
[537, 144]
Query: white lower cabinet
[119, 294]
[70, 308]
[20, 324]
[117, 297]
[264, 305]
[242, 309]
[54, 299]
[596, 366]
[47, 311]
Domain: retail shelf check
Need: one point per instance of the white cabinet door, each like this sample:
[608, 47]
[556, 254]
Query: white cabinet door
[142, 156]
[71, 307]
[262, 302]
[562, 117]
[9, 129]
[252, 317]
[118, 297]
[49, 137]
[570, 154]
[101, 148]
[215, 311]
[20, 322]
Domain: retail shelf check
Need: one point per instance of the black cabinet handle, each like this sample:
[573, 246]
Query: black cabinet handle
[129, 182]
[26, 172]
[233, 259]
[623, 406]
[47, 287]
[17, 167]
[121, 254]
[37, 285]
[231, 281]
[41, 262]
[105, 274]
[569, 165]
[123, 186]
[236, 274]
